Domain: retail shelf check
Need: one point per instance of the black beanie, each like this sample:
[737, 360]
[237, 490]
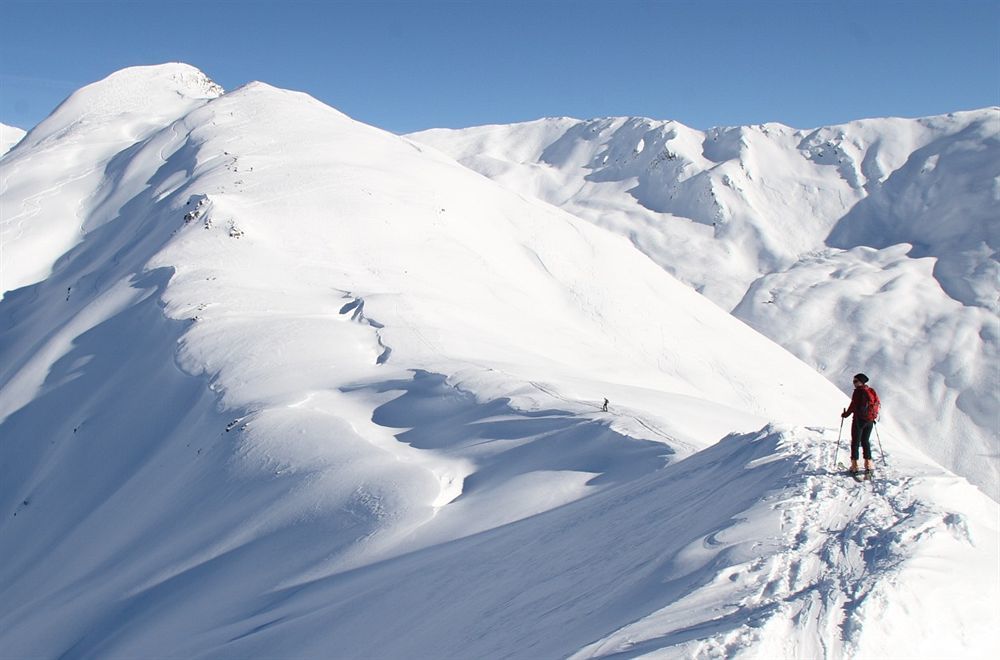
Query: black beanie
[863, 378]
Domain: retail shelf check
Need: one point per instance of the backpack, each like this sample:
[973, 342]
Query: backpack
[871, 406]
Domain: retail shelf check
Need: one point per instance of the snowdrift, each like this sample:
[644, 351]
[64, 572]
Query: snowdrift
[276, 382]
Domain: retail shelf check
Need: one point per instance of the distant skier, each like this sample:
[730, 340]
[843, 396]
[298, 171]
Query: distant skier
[605, 408]
[865, 408]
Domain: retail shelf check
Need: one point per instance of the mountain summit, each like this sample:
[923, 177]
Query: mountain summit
[275, 382]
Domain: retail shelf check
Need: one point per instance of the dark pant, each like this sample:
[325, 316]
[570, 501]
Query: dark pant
[861, 433]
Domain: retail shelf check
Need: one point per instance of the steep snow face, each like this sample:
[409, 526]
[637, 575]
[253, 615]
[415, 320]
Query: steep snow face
[763, 219]
[9, 136]
[305, 385]
[936, 359]
[71, 152]
[942, 201]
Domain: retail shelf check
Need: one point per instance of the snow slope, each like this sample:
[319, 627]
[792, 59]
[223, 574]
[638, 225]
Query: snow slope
[71, 151]
[306, 388]
[9, 136]
[778, 224]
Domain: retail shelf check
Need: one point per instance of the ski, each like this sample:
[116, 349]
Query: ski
[859, 476]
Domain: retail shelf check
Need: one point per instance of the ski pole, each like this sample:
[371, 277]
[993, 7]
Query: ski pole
[840, 433]
[880, 444]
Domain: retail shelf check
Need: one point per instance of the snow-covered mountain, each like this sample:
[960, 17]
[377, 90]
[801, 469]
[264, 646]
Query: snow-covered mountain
[870, 246]
[277, 383]
[71, 151]
[9, 136]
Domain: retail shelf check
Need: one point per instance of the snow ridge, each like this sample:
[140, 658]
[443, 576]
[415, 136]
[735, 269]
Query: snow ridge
[778, 225]
[840, 566]
[282, 387]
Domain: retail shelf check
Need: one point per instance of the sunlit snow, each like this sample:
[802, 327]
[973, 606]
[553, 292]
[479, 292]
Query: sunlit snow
[869, 246]
[276, 383]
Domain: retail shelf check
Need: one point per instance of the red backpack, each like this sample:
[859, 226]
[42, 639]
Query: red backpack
[870, 406]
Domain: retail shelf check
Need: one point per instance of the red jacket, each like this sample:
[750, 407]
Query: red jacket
[859, 403]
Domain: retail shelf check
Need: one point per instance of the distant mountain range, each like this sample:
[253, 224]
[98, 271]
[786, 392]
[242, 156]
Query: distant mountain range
[870, 246]
[274, 382]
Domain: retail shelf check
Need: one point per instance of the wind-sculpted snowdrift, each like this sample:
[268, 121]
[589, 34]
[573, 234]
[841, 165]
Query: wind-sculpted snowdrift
[869, 246]
[290, 385]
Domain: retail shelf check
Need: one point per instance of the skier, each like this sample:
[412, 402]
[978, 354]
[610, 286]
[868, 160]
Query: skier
[865, 408]
[605, 408]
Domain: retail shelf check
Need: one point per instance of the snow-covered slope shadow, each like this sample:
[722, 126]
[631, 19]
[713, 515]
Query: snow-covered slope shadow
[361, 418]
[108, 445]
[506, 442]
[498, 463]
[751, 545]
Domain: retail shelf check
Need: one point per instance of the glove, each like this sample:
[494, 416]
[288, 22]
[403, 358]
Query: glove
[845, 415]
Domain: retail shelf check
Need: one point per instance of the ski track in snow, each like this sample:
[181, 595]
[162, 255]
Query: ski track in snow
[13, 226]
[614, 411]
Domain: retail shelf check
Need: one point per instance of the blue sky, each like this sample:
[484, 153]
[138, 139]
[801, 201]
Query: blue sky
[406, 65]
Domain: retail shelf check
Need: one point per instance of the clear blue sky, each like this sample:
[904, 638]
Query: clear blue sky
[406, 65]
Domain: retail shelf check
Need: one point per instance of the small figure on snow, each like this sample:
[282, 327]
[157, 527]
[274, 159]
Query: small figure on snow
[865, 408]
[605, 408]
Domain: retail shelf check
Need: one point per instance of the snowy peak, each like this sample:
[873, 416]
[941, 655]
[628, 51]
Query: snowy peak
[138, 96]
[74, 150]
[279, 285]
[275, 382]
[342, 206]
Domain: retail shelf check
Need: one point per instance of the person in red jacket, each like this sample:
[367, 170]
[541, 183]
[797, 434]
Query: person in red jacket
[864, 406]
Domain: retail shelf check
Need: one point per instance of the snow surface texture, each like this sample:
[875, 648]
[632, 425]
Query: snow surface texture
[284, 384]
[9, 136]
[870, 246]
